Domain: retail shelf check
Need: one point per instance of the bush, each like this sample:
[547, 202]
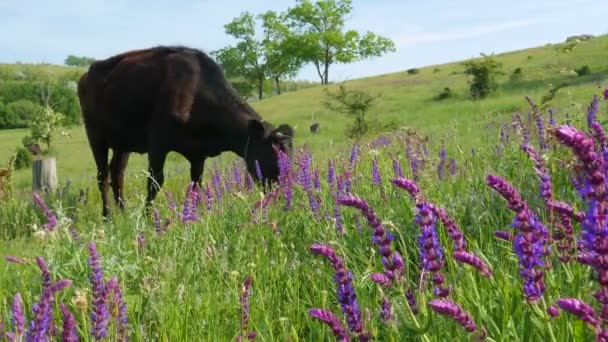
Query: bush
[436, 70]
[517, 75]
[446, 93]
[484, 72]
[18, 114]
[413, 71]
[354, 103]
[23, 158]
[584, 70]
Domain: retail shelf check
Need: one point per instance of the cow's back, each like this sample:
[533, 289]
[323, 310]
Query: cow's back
[122, 96]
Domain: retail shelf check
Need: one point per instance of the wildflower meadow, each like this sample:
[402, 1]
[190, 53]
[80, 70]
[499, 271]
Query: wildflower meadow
[397, 238]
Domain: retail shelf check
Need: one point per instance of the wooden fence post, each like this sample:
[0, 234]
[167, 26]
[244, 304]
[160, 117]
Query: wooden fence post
[44, 174]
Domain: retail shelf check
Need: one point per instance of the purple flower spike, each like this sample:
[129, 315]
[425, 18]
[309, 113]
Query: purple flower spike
[69, 325]
[500, 234]
[453, 166]
[580, 309]
[431, 253]
[606, 94]
[453, 310]
[353, 155]
[18, 316]
[386, 312]
[258, 171]
[346, 293]
[411, 301]
[14, 259]
[331, 174]
[332, 321]
[244, 298]
[307, 184]
[410, 186]
[51, 219]
[530, 243]
[475, 261]
[376, 180]
[442, 162]
[381, 279]
[99, 314]
[391, 260]
[397, 168]
[553, 311]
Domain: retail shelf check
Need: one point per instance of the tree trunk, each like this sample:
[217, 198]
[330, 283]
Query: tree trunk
[278, 85]
[44, 175]
[326, 73]
[318, 66]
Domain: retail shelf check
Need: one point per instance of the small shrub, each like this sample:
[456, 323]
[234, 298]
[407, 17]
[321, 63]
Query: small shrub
[413, 71]
[446, 93]
[484, 72]
[23, 158]
[584, 70]
[436, 70]
[354, 103]
[517, 75]
[530, 57]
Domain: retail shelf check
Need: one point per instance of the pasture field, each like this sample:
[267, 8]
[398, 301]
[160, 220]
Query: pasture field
[182, 277]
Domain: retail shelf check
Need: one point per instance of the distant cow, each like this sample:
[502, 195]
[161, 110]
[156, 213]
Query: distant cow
[314, 128]
[166, 99]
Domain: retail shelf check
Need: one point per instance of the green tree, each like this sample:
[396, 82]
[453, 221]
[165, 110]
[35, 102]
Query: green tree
[72, 60]
[244, 60]
[280, 49]
[484, 72]
[46, 125]
[323, 40]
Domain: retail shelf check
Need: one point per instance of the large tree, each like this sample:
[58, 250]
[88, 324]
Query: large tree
[245, 60]
[257, 57]
[280, 49]
[72, 60]
[323, 39]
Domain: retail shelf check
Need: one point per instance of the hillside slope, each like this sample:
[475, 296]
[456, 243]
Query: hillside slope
[407, 101]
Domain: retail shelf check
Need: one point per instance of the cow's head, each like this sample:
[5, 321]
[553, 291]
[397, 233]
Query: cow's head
[263, 139]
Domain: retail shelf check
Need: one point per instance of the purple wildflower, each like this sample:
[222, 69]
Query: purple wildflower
[453, 310]
[386, 312]
[14, 259]
[317, 180]
[190, 203]
[249, 179]
[331, 174]
[244, 298]
[18, 316]
[450, 225]
[442, 162]
[332, 321]
[606, 94]
[391, 260]
[522, 126]
[236, 175]
[70, 333]
[346, 293]
[592, 111]
[258, 171]
[99, 314]
[431, 253]
[500, 234]
[473, 260]
[580, 309]
[410, 186]
[530, 243]
[397, 168]
[51, 219]
[453, 166]
[157, 221]
[411, 301]
[553, 311]
[353, 155]
[376, 180]
[209, 198]
[413, 161]
[172, 202]
[306, 181]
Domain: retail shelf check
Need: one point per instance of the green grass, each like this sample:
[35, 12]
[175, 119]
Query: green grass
[185, 284]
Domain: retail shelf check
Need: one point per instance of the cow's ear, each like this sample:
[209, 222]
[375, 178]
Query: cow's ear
[256, 129]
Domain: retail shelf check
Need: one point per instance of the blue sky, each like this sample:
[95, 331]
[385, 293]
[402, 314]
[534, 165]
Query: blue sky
[425, 32]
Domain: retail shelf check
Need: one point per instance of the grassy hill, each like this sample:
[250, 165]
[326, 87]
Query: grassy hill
[407, 100]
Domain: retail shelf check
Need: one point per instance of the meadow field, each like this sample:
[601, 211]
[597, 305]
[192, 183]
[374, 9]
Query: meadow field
[403, 235]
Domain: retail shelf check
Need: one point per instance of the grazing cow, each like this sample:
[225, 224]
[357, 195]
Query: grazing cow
[166, 99]
[315, 127]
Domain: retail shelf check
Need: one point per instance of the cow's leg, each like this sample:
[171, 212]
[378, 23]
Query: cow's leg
[156, 161]
[100, 153]
[117, 175]
[196, 171]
